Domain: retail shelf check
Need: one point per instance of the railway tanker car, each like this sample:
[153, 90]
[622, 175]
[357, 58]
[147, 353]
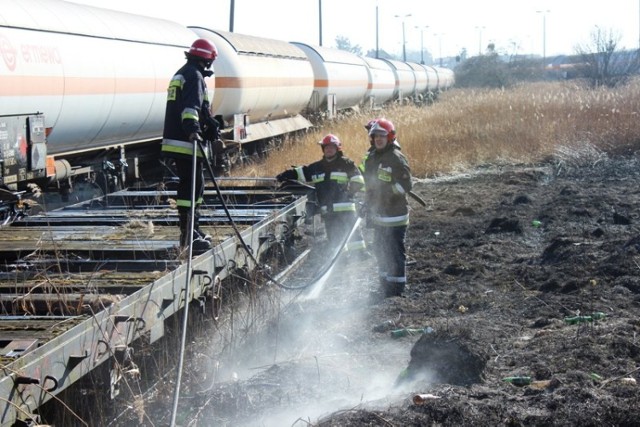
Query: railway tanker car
[445, 78]
[84, 88]
[259, 81]
[340, 79]
[405, 79]
[382, 82]
[93, 78]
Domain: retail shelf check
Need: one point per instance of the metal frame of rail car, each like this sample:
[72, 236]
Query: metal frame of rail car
[34, 377]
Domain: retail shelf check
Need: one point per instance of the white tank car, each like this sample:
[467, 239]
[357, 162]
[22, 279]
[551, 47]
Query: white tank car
[446, 78]
[98, 76]
[340, 79]
[432, 78]
[422, 80]
[382, 82]
[262, 82]
[405, 79]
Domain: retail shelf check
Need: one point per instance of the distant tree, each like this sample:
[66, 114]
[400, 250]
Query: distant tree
[343, 43]
[495, 71]
[463, 55]
[482, 71]
[382, 54]
[603, 63]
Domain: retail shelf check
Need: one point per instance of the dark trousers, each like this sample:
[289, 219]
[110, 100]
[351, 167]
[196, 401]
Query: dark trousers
[338, 225]
[389, 249]
[184, 171]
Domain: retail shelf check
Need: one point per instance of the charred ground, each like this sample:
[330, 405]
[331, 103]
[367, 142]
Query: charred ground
[498, 259]
[496, 287]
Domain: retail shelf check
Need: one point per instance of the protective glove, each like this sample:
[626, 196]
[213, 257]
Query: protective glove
[213, 123]
[212, 129]
[286, 175]
[194, 137]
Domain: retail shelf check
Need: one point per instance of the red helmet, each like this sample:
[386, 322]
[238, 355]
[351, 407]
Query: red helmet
[204, 49]
[370, 123]
[384, 127]
[331, 139]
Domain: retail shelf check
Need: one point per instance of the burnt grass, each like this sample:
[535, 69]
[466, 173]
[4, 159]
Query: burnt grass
[497, 286]
[498, 260]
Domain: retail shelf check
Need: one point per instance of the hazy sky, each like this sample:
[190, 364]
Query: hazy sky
[452, 24]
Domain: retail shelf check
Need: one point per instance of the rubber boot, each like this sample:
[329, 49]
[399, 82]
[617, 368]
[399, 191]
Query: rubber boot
[392, 289]
[198, 245]
[199, 233]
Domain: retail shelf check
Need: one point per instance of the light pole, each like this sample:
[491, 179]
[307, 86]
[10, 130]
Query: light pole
[480, 28]
[320, 22]
[544, 35]
[422, 42]
[377, 47]
[404, 43]
[439, 36]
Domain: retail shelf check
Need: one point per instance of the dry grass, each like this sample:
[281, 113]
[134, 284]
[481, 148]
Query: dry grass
[466, 128]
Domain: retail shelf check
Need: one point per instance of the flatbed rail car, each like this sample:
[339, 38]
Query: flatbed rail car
[79, 284]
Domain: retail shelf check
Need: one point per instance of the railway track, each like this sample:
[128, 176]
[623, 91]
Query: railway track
[80, 284]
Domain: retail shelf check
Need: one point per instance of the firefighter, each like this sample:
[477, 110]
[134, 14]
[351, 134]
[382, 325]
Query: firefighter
[372, 147]
[187, 118]
[387, 178]
[336, 179]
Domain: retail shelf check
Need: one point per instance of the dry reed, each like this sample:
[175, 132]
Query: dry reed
[465, 128]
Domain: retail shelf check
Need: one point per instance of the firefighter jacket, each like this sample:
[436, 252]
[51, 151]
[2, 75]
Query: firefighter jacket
[336, 182]
[187, 110]
[388, 180]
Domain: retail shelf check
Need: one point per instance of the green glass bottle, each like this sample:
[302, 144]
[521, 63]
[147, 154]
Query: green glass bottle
[585, 319]
[518, 380]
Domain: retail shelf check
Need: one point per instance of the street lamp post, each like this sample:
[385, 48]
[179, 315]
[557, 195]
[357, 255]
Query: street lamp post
[377, 46]
[480, 28]
[422, 42]
[404, 43]
[544, 35]
[439, 36]
[320, 22]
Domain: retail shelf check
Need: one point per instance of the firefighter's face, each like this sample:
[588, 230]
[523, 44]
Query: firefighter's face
[330, 151]
[379, 140]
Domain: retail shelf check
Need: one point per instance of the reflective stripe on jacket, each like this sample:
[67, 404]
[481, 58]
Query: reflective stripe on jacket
[388, 180]
[187, 107]
[335, 182]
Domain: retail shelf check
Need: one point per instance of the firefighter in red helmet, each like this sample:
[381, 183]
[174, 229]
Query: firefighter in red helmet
[388, 181]
[336, 179]
[187, 118]
[372, 148]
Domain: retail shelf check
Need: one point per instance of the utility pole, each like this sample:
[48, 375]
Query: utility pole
[377, 45]
[544, 36]
[422, 42]
[320, 21]
[404, 42]
[480, 28]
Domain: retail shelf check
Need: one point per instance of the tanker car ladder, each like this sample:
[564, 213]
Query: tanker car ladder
[80, 284]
